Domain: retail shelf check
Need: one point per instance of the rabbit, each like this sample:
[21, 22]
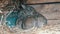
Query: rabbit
[22, 14]
[30, 13]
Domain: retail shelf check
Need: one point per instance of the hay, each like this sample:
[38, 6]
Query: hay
[49, 29]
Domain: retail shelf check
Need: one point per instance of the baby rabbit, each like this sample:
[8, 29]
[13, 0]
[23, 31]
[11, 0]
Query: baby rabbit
[25, 17]
[28, 18]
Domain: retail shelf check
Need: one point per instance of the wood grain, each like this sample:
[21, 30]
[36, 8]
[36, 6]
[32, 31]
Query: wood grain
[51, 11]
[41, 1]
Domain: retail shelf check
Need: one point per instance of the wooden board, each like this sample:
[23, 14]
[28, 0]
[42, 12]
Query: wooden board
[41, 1]
[51, 11]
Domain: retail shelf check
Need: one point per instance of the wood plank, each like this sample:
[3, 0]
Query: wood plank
[41, 1]
[55, 16]
[53, 22]
[51, 11]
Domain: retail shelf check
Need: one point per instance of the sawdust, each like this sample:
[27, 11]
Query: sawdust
[49, 29]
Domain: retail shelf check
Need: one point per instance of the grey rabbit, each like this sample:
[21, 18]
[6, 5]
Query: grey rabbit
[25, 16]
[29, 13]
